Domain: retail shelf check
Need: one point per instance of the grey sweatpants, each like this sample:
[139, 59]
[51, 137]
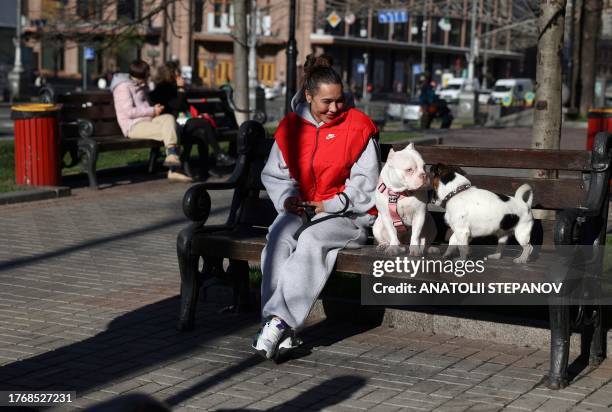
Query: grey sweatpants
[294, 272]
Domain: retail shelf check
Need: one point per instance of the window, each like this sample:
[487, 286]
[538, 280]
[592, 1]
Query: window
[454, 36]
[379, 30]
[266, 73]
[52, 55]
[223, 72]
[127, 9]
[221, 13]
[89, 9]
[400, 31]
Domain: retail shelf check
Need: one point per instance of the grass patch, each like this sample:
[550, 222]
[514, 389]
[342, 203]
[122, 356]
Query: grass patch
[105, 160]
[7, 167]
[112, 159]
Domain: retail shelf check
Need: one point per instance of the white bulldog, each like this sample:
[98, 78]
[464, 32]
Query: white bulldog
[401, 200]
[473, 212]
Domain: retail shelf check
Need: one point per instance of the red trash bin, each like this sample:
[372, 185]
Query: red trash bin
[37, 161]
[599, 120]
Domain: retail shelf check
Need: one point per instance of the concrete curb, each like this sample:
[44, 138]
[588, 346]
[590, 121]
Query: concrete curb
[37, 193]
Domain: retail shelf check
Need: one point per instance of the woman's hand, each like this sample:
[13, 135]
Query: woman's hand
[318, 206]
[291, 205]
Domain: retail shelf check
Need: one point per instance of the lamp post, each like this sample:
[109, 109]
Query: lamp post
[15, 76]
[424, 37]
[473, 44]
[291, 59]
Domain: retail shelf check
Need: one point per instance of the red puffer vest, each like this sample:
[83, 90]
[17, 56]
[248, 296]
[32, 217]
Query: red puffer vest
[320, 159]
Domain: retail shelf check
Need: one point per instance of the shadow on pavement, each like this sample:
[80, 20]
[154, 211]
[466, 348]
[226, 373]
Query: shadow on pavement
[29, 260]
[145, 340]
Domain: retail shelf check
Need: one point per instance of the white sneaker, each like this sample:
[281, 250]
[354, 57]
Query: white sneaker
[288, 344]
[179, 177]
[267, 340]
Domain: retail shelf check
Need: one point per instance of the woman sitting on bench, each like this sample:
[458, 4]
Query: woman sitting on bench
[139, 120]
[170, 92]
[324, 161]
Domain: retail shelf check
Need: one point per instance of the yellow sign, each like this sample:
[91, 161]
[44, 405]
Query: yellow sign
[334, 19]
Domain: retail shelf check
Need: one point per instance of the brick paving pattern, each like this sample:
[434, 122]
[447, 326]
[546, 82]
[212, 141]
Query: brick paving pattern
[88, 302]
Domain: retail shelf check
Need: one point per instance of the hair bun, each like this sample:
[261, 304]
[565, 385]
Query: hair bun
[315, 62]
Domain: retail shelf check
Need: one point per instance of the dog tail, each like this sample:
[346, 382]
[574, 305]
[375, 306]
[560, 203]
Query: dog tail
[520, 194]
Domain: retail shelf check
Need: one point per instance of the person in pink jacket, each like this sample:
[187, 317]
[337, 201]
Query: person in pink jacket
[138, 119]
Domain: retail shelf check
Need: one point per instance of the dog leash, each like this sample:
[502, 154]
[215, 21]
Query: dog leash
[393, 198]
[307, 217]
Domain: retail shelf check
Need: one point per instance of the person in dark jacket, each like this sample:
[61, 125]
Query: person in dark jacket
[170, 92]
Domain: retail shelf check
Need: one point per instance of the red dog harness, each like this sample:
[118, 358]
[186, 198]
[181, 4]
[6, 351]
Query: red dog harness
[393, 198]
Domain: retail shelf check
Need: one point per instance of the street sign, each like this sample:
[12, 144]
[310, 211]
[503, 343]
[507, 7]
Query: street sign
[89, 53]
[506, 101]
[350, 18]
[360, 68]
[333, 19]
[529, 98]
[392, 16]
[416, 69]
[444, 24]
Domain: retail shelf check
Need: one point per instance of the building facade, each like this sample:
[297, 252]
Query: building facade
[197, 33]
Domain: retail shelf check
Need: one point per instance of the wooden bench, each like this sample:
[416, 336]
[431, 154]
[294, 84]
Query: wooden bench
[89, 126]
[577, 201]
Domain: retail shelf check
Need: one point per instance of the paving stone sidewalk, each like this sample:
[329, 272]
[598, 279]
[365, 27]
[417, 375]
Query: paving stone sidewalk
[88, 302]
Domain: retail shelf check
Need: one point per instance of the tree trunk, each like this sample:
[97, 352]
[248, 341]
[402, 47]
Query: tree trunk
[575, 83]
[591, 21]
[547, 117]
[241, 60]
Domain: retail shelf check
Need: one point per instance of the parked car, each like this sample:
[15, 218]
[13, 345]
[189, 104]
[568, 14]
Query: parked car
[484, 96]
[278, 90]
[406, 111]
[514, 89]
[455, 87]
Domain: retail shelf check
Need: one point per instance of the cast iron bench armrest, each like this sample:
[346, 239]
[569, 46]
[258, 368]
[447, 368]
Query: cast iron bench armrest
[258, 115]
[600, 174]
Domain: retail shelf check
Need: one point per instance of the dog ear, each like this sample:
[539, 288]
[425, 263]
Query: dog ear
[411, 146]
[391, 154]
[435, 169]
[459, 170]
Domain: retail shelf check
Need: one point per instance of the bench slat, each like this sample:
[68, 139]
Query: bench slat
[249, 245]
[106, 112]
[503, 158]
[79, 98]
[548, 193]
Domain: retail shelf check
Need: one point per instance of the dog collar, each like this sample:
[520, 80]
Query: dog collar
[455, 192]
[393, 198]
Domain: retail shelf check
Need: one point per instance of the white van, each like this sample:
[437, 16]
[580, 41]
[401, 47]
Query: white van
[515, 89]
[455, 87]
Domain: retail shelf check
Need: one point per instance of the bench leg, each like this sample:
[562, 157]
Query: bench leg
[559, 346]
[597, 349]
[238, 272]
[190, 279]
[90, 149]
[154, 154]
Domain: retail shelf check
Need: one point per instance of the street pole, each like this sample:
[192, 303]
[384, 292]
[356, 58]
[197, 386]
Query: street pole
[473, 43]
[424, 37]
[253, 83]
[84, 68]
[365, 76]
[291, 59]
[15, 76]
